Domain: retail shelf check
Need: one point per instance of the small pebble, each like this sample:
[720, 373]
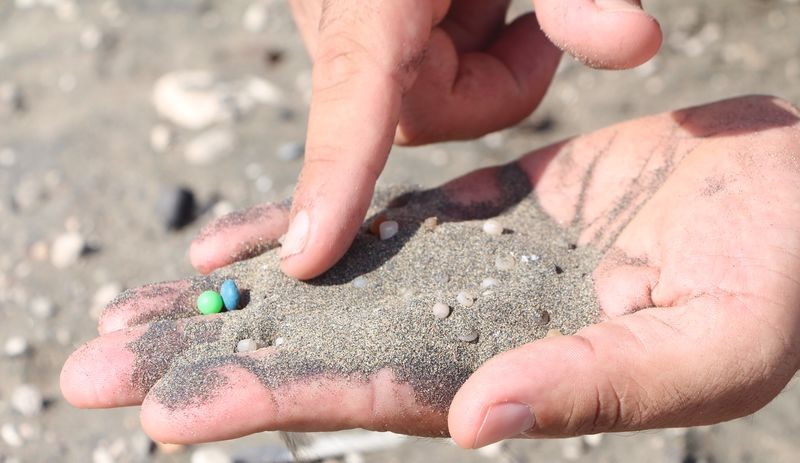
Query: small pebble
[553, 332]
[101, 454]
[175, 207]
[10, 435]
[360, 282]
[209, 302]
[593, 440]
[246, 345]
[559, 270]
[230, 294]
[39, 251]
[489, 283]
[264, 184]
[465, 298]
[42, 307]
[194, 99]
[210, 146]
[170, 449]
[141, 446]
[102, 297]
[67, 249]
[430, 223]
[222, 208]
[468, 336]
[440, 310]
[210, 455]
[27, 400]
[388, 229]
[255, 16]
[493, 227]
[291, 151]
[160, 138]
[542, 317]
[572, 448]
[279, 341]
[505, 262]
[16, 346]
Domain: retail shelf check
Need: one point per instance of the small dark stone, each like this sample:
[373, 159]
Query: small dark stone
[175, 208]
[274, 56]
[573, 246]
[542, 316]
[559, 270]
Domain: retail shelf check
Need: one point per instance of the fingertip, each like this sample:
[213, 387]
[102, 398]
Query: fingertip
[323, 228]
[325, 225]
[97, 374]
[203, 257]
[604, 38]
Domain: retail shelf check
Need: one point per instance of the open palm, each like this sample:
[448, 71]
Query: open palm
[697, 215]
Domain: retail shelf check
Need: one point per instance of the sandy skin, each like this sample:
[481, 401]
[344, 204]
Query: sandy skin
[694, 217]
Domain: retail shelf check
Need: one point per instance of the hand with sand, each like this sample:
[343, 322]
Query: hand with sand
[678, 233]
[419, 71]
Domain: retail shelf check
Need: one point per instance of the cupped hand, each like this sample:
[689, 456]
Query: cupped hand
[697, 216]
[422, 71]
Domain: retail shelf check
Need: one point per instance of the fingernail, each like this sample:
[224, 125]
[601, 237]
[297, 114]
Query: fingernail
[295, 239]
[504, 421]
[618, 5]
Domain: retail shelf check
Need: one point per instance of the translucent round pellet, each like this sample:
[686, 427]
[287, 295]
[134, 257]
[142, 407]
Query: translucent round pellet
[440, 310]
[388, 229]
[493, 227]
[465, 298]
[468, 336]
[246, 345]
[505, 262]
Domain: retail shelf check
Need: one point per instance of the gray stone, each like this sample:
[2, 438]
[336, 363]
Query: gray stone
[175, 207]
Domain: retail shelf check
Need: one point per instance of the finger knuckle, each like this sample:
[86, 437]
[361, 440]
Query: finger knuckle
[340, 59]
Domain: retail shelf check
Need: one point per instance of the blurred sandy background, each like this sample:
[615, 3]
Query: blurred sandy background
[85, 159]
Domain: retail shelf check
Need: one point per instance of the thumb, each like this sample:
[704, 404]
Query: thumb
[660, 367]
[609, 34]
[367, 55]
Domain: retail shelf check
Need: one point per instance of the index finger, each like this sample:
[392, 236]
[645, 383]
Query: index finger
[366, 56]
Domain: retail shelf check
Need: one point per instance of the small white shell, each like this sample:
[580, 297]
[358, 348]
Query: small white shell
[360, 282]
[493, 227]
[278, 341]
[440, 310]
[388, 229]
[489, 283]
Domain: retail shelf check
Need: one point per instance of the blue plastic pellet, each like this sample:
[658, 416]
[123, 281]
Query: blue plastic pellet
[230, 294]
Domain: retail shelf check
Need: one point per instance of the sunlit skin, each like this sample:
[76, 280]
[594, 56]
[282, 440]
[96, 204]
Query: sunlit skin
[421, 71]
[697, 214]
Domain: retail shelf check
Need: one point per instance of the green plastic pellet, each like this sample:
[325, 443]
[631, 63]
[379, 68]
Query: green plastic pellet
[209, 302]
